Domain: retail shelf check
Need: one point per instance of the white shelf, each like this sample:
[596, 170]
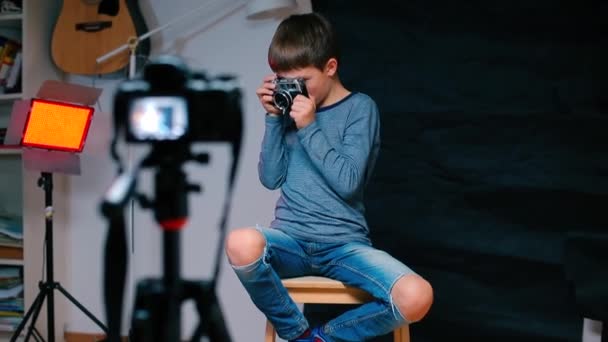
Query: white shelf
[10, 151]
[8, 97]
[11, 262]
[10, 16]
[11, 21]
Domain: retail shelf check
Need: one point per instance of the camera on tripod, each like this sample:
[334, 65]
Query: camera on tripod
[169, 108]
[172, 104]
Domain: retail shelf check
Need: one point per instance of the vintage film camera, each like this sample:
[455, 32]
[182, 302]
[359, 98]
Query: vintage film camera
[172, 104]
[286, 90]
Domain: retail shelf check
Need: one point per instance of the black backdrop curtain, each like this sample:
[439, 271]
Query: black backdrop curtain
[494, 138]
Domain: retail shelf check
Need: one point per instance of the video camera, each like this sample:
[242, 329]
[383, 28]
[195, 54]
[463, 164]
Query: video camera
[173, 104]
[169, 108]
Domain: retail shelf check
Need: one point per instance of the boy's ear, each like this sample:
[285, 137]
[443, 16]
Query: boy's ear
[331, 67]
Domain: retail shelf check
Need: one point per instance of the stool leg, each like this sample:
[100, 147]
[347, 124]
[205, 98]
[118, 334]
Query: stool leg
[402, 334]
[270, 333]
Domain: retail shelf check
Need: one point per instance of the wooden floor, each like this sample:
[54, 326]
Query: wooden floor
[83, 337]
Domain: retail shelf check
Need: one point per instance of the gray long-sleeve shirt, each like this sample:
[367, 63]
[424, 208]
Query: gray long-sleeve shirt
[322, 170]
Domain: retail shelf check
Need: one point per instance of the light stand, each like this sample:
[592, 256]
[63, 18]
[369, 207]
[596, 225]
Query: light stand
[47, 287]
[52, 131]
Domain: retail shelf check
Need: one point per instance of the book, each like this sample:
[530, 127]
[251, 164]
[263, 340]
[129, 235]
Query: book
[11, 227]
[15, 72]
[8, 54]
[11, 292]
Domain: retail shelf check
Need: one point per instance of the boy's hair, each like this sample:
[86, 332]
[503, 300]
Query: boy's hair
[302, 40]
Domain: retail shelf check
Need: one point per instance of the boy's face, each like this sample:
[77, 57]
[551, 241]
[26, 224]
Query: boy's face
[318, 82]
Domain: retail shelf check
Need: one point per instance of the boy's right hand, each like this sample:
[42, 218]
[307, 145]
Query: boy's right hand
[265, 92]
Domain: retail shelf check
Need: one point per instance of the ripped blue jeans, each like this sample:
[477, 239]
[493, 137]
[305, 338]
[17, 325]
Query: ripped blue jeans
[355, 264]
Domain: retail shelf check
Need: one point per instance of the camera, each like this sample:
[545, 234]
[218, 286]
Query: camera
[173, 104]
[169, 107]
[286, 89]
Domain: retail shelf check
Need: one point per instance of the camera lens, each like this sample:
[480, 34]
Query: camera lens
[282, 100]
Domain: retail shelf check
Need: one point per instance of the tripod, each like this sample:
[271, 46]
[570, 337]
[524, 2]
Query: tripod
[47, 287]
[157, 313]
[157, 308]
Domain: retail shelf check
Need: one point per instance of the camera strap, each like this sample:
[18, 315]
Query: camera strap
[236, 147]
[115, 271]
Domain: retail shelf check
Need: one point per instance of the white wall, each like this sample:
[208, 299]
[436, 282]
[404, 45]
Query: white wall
[229, 44]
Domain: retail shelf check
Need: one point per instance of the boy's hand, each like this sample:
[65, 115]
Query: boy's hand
[303, 110]
[265, 92]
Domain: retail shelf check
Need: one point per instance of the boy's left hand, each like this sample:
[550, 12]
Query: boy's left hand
[303, 110]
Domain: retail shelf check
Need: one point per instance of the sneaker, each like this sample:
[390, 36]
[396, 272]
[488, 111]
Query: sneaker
[318, 335]
[315, 335]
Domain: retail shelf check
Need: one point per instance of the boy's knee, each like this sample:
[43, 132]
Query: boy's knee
[244, 246]
[413, 295]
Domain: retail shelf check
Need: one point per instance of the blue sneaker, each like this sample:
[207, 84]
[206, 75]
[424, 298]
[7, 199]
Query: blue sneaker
[314, 335]
[318, 335]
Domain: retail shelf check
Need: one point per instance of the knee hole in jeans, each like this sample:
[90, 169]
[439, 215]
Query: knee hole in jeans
[245, 246]
[413, 296]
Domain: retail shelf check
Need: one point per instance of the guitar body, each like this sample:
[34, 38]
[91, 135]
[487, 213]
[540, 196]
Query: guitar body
[84, 33]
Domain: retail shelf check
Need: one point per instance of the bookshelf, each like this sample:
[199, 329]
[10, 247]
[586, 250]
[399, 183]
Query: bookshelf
[11, 239]
[33, 28]
[11, 179]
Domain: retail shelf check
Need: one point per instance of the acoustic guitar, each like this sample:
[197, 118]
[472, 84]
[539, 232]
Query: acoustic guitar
[88, 29]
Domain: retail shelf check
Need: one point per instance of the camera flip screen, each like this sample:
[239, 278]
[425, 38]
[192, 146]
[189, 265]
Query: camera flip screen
[158, 118]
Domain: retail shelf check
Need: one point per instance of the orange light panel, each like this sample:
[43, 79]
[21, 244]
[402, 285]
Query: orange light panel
[57, 126]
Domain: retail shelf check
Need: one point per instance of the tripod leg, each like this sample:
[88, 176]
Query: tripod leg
[81, 307]
[32, 329]
[37, 336]
[211, 322]
[36, 306]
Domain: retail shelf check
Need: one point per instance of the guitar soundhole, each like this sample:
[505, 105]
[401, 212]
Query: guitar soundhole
[93, 26]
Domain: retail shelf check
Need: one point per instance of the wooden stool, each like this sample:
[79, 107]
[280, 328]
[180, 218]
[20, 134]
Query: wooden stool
[320, 290]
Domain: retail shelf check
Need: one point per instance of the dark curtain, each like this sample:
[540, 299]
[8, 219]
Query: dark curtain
[494, 154]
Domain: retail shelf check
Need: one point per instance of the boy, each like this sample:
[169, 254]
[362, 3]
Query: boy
[322, 166]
